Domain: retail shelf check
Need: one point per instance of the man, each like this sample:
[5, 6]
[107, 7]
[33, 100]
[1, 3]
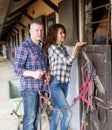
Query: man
[31, 65]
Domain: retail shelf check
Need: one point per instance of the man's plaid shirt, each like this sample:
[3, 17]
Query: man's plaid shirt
[30, 57]
[60, 62]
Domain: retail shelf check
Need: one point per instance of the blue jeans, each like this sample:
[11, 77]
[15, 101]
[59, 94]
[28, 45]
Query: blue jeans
[58, 93]
[31, 109]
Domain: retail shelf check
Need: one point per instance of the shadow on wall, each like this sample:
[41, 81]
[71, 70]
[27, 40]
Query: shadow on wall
[73, 92]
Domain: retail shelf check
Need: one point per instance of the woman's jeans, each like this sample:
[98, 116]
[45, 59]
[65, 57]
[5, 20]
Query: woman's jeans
[31, 109]
[58, 93]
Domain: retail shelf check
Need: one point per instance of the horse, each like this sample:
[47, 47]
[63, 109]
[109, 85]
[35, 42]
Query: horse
[102, 35]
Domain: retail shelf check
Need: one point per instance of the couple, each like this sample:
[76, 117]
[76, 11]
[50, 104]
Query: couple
[31, 64]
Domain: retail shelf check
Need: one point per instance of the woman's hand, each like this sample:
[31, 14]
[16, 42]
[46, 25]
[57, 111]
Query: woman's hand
[79, 44]
[76, 48]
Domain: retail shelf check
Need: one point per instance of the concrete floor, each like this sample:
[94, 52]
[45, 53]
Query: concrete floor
[7, 121]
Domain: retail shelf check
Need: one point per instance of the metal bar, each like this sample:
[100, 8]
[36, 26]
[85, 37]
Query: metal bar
[109, 19]
[99, 7]
[106, 20]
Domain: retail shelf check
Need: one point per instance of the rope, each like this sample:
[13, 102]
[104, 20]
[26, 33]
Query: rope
[84, 90]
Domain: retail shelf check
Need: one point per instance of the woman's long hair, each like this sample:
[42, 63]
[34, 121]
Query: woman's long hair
[52, 35]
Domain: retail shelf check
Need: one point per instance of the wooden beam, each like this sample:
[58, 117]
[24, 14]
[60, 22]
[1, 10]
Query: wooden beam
[12, 22]
[27, 15]
[13, 32]
[22, 8]
[21, 24]
[18, 16]
[8, 27]
[52, 5]
[16, 29]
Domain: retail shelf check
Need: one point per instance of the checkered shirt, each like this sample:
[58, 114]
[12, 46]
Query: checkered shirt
[60, 63]
[30, 57]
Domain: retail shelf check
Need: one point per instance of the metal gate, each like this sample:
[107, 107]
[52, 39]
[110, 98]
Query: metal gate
[99, 52]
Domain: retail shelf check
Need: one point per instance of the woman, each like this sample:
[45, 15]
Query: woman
[60, 63]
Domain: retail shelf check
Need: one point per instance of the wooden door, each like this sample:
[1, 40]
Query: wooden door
[100, 55]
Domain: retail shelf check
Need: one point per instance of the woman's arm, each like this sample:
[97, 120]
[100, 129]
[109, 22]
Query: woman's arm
[54, 52]
[76, 48]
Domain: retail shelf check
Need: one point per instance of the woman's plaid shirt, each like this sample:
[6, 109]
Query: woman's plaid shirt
[60, 62]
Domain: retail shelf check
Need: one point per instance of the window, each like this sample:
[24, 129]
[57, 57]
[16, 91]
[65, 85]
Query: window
[97, 21]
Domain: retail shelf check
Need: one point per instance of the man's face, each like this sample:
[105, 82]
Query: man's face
[36, 32]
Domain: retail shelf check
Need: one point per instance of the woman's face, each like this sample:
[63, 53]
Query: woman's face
[60, 36]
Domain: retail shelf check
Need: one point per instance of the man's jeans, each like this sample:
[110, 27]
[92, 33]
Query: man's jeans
[31, 109]
[58, 93]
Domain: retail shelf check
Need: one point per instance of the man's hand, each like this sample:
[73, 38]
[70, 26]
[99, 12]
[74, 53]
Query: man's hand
[47, 78]
[37, 74]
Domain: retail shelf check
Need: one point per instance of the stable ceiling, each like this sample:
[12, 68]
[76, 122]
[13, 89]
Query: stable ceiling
[10, 14]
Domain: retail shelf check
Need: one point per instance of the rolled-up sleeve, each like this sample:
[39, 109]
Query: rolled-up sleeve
[20, 60]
